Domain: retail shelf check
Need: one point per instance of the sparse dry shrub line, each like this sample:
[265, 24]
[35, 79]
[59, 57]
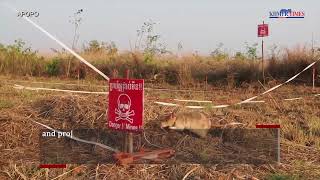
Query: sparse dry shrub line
[186, 71]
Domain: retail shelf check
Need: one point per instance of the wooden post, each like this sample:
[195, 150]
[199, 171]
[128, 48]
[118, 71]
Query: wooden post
[78, 71]
[313, 76]
[129, 136]
[314, 66]
[206, 83]
[278, 146]
[262, 60]
[125, 141]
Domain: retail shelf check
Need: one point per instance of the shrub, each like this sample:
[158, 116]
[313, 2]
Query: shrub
[189, 70]
[52, 67]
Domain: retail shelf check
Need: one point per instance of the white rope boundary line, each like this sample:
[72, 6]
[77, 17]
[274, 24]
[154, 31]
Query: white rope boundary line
[60, 43]
[53, 83]
[249, 100]
[20, 87]
[224, 106]
[277, 86]
[293, 99]
[157, 102]
[101, 86]
[185, 100]
[175, 90]
[78, 139]
[58, 90]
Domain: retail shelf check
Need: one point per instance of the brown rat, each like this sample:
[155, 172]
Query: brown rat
[193, 121]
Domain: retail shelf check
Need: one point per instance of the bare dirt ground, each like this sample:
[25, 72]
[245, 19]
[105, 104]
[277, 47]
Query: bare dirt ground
[299, 120]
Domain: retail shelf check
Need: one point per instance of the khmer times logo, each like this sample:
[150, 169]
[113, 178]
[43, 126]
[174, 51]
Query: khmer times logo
[286, 13]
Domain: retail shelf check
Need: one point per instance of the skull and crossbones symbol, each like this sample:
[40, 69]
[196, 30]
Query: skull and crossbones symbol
[123, 110]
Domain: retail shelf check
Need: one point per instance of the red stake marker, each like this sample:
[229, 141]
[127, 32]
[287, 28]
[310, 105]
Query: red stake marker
[268, 126]
[53, 166]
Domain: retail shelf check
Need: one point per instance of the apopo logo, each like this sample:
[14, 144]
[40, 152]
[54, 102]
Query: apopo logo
[286, 13]
[28, 14]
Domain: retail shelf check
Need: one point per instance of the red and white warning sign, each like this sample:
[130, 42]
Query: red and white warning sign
[263, 30]
[125, 112]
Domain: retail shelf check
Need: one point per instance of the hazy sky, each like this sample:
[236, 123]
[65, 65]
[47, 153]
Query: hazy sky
[198, 24]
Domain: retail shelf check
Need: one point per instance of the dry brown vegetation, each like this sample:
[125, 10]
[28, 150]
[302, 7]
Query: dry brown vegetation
[228, 80]
[19, 138]
[187, 71]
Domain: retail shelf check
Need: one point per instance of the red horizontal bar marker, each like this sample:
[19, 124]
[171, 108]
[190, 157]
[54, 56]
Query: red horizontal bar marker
[267, 125]
[53, 166]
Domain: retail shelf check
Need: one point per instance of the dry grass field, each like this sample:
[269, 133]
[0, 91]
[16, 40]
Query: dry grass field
[19, 136]
[283, 84]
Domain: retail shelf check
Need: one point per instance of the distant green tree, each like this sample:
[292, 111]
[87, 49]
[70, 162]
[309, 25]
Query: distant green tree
[239, 56]
[76, 20]
[218, 54]
[111, 48]
[19, 59]
[52, 68]
[148, 40]
[94, 46]
[103, 47]
[251, 50]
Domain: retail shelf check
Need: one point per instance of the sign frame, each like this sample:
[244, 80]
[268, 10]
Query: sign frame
[126, 105]
[263, 30]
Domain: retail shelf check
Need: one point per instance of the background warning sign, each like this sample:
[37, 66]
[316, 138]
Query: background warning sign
[125, 111]
[263, 30]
